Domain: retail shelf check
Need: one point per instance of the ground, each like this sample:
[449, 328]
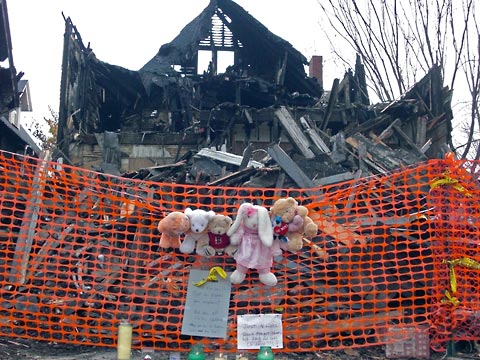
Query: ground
[13, 349]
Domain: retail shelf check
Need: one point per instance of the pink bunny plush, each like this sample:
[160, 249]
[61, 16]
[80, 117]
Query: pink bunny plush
[253, 234]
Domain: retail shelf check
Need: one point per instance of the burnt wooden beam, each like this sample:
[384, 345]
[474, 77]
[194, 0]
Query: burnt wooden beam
[275, 129]
[146, 138]
[334, 179]
[409, 141]
[356, 142]
[426, 146]
[369, 124]
[294, 132]
[388, 130]
[247, 154]
[345, 88]
[332, 99]
[421, 134]
[317, 141]
[289, 166]
[280, 75]
[234, 178]
[361, 79]
[63, 138]
[227, 158]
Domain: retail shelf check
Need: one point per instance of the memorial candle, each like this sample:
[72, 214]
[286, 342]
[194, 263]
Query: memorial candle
[265, 353]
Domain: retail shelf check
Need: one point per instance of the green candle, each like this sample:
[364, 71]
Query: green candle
[265, 353]
[196, 353]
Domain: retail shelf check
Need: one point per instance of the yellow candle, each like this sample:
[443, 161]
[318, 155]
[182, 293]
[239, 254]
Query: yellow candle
[124, 342]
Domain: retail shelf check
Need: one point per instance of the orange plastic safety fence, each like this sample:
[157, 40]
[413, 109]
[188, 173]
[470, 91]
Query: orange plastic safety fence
[80, 253]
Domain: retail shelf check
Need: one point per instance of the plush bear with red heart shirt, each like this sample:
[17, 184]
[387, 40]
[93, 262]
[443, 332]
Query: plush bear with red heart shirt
[291, 223]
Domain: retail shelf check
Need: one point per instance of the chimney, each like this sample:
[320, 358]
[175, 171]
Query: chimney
[315, 68]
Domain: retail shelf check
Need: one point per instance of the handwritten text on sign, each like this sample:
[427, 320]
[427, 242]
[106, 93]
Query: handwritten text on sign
[206, 306]
[254, 331]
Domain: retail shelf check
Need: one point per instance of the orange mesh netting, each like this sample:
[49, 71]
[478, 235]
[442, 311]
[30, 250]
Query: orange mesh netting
[80, 253]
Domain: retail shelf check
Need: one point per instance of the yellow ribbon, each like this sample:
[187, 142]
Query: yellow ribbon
[212, 275]
[448, 180]
[464, 261]
[450, 299]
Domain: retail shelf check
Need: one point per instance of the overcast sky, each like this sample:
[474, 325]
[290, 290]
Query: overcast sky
[129, 33]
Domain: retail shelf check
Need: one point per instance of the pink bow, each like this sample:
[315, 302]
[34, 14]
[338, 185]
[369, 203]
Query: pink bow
[251, 211]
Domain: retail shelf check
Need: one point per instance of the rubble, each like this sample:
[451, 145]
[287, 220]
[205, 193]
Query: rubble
[373, 140]
[170, 111]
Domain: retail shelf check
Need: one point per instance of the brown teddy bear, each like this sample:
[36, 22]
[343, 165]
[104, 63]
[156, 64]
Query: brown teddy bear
[171, 227]
[218, 240]
[291, 223]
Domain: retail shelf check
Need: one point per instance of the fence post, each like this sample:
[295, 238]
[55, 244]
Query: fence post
[29, 223]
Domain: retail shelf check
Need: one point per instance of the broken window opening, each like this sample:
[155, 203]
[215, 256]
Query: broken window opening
[216, 52]
[206, 61]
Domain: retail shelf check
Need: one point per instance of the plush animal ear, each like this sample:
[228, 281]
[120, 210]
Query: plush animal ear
[210, 215]
[227, 220]
[160, 226]
[188, 211]
[239, 219]
[292, 201]
[265, 229]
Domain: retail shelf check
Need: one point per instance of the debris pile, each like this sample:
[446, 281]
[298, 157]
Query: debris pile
[172, 121]
[334, 141]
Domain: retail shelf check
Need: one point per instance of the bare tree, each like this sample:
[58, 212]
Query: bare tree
[46, 132]
[400, 40]
[471, 69]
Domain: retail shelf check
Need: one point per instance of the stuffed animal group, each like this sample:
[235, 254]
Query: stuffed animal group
[253, 239]
[204, 232]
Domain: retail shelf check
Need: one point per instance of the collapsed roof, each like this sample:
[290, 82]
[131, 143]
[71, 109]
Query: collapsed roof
[121, 99]
[225, 26]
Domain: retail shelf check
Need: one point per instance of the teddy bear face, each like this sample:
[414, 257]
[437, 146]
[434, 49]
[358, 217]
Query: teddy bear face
[219, 224]
[286, 209]
[174, 223]
[199, 219]
[183, 224]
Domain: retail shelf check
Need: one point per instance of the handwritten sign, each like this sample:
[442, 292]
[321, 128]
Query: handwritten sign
[206, 306]
[254, 331]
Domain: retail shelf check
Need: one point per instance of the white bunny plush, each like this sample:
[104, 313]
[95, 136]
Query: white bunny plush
[252, 232]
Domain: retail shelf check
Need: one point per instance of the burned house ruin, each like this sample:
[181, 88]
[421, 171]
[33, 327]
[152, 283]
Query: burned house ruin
[82, 248]
[261, 107]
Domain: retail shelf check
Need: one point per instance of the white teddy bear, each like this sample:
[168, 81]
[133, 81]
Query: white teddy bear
[199, 220]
